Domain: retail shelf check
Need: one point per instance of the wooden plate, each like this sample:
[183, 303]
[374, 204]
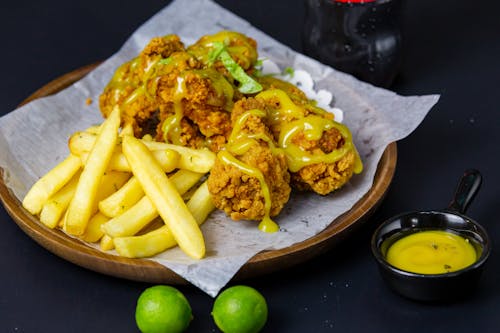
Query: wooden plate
[148, 271]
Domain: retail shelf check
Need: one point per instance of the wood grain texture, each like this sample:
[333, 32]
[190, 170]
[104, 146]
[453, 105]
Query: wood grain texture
[79, 253]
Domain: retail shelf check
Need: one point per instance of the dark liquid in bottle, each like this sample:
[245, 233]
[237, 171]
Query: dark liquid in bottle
[360, 38]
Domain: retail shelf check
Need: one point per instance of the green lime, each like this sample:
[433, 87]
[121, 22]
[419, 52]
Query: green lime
[240, 309]
[162, 309]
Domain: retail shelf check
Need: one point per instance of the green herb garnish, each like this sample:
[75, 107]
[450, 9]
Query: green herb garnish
[289, 70]
[247, 84]
[165, 61]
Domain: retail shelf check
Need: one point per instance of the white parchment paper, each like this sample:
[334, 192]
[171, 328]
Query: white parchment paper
[34, 137]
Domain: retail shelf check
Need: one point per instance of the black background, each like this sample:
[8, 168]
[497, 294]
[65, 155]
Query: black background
[450, 47]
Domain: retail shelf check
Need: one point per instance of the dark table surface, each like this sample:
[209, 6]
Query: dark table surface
[451, 48]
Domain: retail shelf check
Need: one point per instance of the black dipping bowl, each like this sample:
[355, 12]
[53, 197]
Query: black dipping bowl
[435, 287]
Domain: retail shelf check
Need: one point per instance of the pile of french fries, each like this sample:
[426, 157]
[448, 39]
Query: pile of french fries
[137, 196]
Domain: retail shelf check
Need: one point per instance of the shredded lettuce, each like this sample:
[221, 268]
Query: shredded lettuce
[165, 61]
[247, 84]
[289, 70]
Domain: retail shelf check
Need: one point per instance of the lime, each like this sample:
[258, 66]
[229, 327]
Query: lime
[240, 309]
[162, 309]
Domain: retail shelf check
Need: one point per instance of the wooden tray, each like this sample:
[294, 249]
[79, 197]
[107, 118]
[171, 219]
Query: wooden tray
[148, 271]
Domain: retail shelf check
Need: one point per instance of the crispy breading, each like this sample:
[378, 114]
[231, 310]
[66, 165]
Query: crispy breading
[240, 194]
[203, 102]
[132, 86]
[162, 46]
[324, 178]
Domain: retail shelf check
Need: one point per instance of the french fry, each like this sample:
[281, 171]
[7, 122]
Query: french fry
[54, 208]
[143, 212]
[198, 160]
[156, 241]
[132, 220]
[183, 180]
[80, 207]
[82, 142]
[147, 137]
[94, 129]
[50, 183]
[93, 233]
[201, 204]
[146, 245]
[107, 243]
[168, 159]
[62, 222]
[164, 196]
[120, 201]
[128, 129]
[111, 182]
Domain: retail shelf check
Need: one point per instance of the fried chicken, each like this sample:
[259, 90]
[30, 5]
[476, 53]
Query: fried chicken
[320, 153]
[180, 95]
[265, 141]
[324, 177]
[248, 167]
[204, 98]
[132, 85]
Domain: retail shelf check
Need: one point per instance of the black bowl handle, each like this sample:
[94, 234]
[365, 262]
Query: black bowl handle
[466, 191]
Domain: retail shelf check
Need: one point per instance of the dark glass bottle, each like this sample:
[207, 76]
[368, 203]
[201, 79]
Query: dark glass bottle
[359, 37]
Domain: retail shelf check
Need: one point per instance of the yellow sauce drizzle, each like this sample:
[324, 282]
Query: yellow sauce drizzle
[286, 107]
[220, 84]
[431, 252]
[172, 125]
[266, 224]
[240, 142]
[244, 51]
[143, 89]
[312, 125]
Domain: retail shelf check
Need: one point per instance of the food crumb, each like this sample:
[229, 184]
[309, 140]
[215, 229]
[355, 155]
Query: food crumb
[88, 101]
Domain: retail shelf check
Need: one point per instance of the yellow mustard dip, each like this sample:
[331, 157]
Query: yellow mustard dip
[431, 252]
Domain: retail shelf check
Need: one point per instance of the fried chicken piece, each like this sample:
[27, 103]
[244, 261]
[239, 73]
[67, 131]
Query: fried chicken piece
[187, 134]
[324, 177]
[296, 95]
[204, 97]
[315, 137]
[132, 83]
[238, 191]
[162, 46]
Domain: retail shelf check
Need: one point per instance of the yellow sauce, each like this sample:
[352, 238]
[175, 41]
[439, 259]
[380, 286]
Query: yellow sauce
[431, 252]
[172, 125]
[313, 128]
[238, 46]
[240, 142]
[292, 120]
[286, 107]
